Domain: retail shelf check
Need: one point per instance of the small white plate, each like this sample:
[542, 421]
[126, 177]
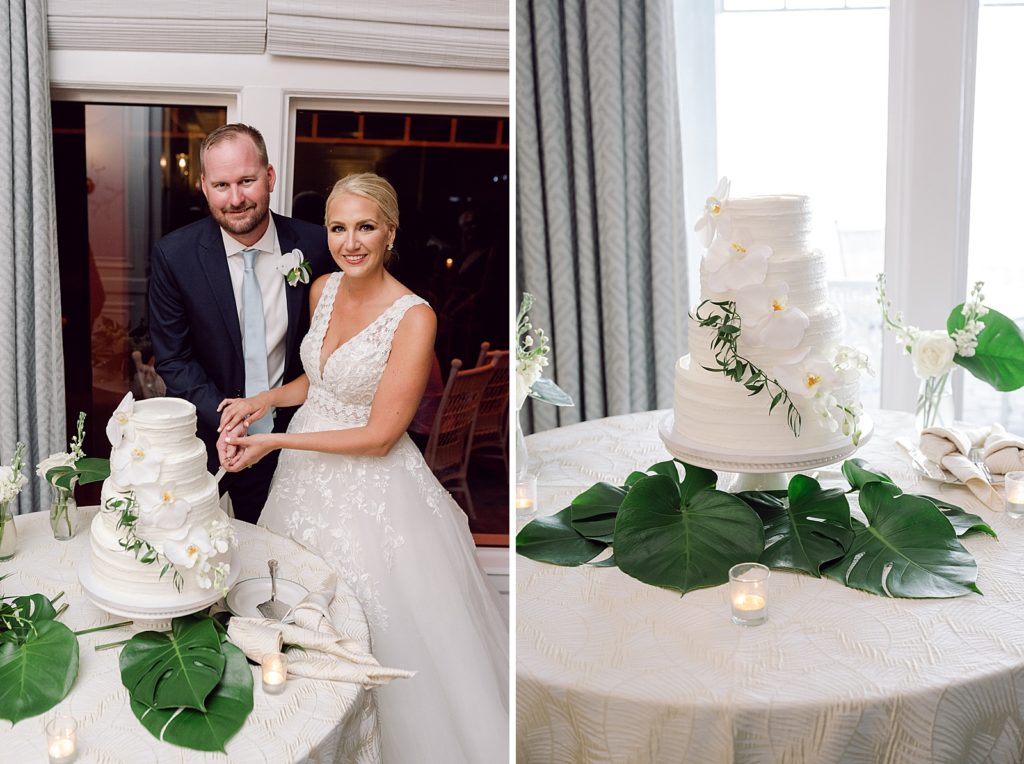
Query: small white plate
[246, 595]
[949, 478]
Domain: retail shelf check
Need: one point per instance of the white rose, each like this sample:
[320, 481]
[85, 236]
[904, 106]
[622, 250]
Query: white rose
[54, 460]
[932, 354]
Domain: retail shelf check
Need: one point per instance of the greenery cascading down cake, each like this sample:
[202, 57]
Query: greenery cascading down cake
[767, 372]
[161, 535]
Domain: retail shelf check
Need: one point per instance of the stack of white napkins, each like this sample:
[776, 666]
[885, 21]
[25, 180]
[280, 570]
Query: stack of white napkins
[949, 447]
[325, 653]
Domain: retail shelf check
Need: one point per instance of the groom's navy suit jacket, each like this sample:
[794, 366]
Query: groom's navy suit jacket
[194, 324]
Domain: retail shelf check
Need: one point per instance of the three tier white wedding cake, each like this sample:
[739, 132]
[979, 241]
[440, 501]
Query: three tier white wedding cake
[160, 535]
[767, 372]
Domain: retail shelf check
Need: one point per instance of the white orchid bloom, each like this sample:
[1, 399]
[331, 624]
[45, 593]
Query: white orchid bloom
[186, 553]
[203, 570]
[768, 318]
[735, 261]
[120, 425]
[159, 507]
[294, 267]
[810, 377]
[133, 464]
[708, 222]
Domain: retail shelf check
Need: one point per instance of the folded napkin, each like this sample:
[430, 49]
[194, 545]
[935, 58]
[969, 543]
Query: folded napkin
[1003, 451]
[949, 447]
[325, 653]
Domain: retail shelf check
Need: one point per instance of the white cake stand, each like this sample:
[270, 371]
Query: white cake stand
[159, 607]
[758, 472]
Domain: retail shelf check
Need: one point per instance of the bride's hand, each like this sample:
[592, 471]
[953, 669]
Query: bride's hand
[251, 449]
[236, 411]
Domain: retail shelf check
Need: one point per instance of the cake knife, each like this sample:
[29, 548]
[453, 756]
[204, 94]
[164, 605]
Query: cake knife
[926, 465]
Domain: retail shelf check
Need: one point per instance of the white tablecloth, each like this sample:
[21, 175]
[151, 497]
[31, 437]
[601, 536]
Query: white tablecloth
[612, 670]
[312, 720]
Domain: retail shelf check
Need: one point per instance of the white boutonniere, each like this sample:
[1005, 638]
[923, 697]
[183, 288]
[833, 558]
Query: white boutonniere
[295, 267]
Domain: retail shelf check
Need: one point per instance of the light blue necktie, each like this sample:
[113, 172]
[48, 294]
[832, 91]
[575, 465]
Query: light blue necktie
[254, 339]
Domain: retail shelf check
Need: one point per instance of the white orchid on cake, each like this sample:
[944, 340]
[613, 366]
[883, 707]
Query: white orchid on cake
[755, 319]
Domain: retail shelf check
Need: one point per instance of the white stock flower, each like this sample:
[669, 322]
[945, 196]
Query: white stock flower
[120, 425]
[159, 507]
[133, 464]
[527, 372]
[708, 222]
[932, 354]
[54, 460]
[203, 580]
[768, 319]
[824, 408]
[11, 483]
[222, 536]
[186, 553]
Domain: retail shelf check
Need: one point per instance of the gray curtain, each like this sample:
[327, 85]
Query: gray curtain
[31, 352]
[599, 202]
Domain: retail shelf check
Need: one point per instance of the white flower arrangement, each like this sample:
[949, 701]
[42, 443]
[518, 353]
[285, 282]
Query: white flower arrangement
[532, 348]
[11, 478]
[294, 267]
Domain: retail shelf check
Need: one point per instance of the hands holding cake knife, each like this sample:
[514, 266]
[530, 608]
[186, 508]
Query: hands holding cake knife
[235, 448]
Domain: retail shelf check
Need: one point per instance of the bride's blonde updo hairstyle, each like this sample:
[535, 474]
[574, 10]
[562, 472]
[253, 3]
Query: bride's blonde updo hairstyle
[376, 189]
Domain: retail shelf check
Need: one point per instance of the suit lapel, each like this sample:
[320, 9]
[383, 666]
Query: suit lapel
[213, 262]
[287, 239]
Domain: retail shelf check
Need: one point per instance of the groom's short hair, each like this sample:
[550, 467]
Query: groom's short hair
[231, 132]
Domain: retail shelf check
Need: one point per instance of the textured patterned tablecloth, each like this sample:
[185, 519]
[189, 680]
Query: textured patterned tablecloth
[316, 721]
[612, 670]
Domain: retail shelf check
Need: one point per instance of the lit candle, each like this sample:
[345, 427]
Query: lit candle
[748, 593]
[61, 740]
[526, 497]
[1015, 494]
[275, 671]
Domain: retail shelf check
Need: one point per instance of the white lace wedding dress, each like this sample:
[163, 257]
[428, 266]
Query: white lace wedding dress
[403, 545]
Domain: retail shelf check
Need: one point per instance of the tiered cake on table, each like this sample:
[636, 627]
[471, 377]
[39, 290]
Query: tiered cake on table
[780, 382]
[160, 539]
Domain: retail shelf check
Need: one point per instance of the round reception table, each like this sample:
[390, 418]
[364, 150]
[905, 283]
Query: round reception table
[311, 720]
[613, 670]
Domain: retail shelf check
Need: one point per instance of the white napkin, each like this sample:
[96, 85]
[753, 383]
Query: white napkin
[949, 446]
[325, 653]
[1003, 451]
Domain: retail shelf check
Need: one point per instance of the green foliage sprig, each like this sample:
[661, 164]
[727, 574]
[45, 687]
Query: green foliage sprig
[144, 552]
[727, 325]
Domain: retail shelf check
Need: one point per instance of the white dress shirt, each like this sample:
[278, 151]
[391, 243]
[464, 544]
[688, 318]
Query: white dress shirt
[272, 289]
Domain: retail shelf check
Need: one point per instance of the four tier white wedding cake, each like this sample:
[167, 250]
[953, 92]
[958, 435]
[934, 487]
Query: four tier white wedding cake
[767, 372]
[161, 535]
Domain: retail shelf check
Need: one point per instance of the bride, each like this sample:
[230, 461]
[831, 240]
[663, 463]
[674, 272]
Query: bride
[351, 486]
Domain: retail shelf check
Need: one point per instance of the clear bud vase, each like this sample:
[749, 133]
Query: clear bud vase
[8, 532]
[522, 455]
[63, 512]
[935, 402]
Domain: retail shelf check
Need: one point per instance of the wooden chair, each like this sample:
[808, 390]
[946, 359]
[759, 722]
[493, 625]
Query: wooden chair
[450, 442]
[491, 432]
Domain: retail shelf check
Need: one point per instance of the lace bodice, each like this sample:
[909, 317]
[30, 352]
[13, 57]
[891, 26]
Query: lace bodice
[352, 372]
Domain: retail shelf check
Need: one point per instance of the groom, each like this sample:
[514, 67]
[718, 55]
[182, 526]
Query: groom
[224, 320]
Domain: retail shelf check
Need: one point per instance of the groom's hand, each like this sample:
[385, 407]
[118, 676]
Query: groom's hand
[226, 452]
[251, 449]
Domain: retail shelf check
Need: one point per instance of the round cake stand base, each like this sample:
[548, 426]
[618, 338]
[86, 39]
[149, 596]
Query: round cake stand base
[758, 472]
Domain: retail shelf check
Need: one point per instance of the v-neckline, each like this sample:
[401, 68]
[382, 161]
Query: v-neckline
[327, 326]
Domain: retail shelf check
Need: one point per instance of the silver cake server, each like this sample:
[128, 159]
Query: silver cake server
[272, 608]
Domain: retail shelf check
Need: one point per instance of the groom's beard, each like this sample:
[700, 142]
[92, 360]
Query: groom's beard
[254, 213]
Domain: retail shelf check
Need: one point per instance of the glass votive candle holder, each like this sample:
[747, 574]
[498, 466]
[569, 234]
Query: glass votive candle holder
[526, 497]
[1014, 483]
[748, 593]
[274, 668]
[62, 740]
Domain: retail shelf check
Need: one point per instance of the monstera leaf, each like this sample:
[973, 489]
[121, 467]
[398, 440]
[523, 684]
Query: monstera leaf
[177, 669]
[999, 357]
[593, 511]
[553, 539]
[962, 522]
[908, 550]
[227, 708]
[37, 672]
[807, 529]
[859, 473]
[684, 535]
